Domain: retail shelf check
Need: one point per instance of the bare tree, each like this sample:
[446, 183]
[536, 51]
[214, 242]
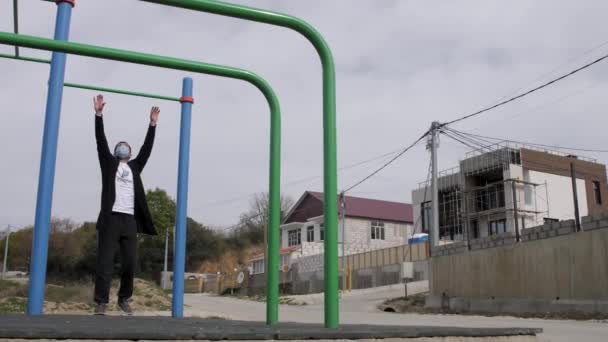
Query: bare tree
[254, 222]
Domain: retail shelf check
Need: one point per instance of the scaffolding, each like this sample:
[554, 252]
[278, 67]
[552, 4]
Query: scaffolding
[476, 194]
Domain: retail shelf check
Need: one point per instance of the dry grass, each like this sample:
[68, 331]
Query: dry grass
[78, 298]
[230, 260]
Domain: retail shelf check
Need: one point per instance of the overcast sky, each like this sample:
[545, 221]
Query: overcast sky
[400, 65]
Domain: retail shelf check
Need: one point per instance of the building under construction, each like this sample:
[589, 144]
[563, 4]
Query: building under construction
[507, 186]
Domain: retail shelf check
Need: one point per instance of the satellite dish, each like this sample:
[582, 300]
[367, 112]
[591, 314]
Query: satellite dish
[240, 277]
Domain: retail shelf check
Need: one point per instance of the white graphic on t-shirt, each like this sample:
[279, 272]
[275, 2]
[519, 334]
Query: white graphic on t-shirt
[125, 198]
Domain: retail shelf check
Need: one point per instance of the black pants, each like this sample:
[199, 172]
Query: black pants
[122, 233]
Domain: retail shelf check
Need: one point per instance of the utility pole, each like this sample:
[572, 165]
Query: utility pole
[577, 218]
[8, 233]
[343, 215]
[433, 144]
[515, 216]
[164, 279]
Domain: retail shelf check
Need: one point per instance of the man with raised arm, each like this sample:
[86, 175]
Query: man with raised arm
[124, 210]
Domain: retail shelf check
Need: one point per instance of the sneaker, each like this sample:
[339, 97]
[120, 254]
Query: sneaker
[100, 309]
[125, 307]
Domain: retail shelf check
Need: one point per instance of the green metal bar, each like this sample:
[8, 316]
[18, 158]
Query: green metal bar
[185, 65]
[27, 59]
[330, 172]
[84, 86]
[119, 91]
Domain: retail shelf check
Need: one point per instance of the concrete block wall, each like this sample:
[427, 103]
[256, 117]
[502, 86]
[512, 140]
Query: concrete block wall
[548, 230]
[545, 231]
[594, 222]
[492, 241]
[450, 248]
[553, 262]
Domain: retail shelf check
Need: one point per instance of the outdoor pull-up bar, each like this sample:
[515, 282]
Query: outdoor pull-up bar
[330, 172]
[90, 87]
[27, 59]
[330, 188]
[120, 91]
[178, 64]
[186, 101]
[182, 181]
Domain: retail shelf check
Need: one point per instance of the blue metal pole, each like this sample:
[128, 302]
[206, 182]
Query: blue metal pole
[179, 260]
[46, 175]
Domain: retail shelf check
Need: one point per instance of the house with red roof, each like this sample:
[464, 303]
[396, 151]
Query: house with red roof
[369, 224]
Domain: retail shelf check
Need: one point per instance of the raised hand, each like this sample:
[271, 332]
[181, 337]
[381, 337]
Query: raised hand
[154, 113]
[98, 104]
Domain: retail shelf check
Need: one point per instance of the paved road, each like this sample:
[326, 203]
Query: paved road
[361, 310]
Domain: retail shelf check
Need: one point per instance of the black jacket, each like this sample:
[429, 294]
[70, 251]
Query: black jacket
[109, 166]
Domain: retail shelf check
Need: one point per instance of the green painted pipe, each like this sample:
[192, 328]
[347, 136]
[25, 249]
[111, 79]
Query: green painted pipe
[27, 59]
[179, 64]
[330, 172]
[84, 86]
[119, 91]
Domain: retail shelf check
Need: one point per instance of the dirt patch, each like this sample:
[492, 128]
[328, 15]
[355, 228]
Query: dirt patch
[78, 297]
[284, 300]
[410, 304]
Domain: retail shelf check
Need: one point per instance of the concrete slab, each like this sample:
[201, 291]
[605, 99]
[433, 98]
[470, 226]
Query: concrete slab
[164, 328]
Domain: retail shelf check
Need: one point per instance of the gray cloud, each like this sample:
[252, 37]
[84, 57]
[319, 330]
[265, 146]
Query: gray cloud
[400, 65]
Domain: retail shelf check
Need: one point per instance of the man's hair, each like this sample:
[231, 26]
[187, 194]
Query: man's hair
[123, 142]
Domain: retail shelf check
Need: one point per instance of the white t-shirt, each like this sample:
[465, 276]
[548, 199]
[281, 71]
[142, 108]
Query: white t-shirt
[125, 195]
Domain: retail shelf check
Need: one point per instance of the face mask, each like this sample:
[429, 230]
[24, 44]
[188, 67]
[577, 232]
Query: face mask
[122, 151]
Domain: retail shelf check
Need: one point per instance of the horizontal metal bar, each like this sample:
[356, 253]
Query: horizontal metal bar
[119, 91]
[27, 59]
[89, 87]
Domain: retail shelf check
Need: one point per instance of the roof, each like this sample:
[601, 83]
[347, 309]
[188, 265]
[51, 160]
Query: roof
[358, 207]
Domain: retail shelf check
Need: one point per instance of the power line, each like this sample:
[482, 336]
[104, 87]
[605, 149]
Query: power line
[527, 92]
[484, 144]
[451, 135]
[584, 53]
[387, 163]
[303, 180]
[545, 104]
[557, 147]
[478, 143]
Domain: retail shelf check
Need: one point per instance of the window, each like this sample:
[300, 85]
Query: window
[475, 229]
[490, 198]
[258, 266]
[294, 237]
[425, 214]
[377, 230]
[310, 234]
[597, 193]
[497, 227]
[322, 232]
